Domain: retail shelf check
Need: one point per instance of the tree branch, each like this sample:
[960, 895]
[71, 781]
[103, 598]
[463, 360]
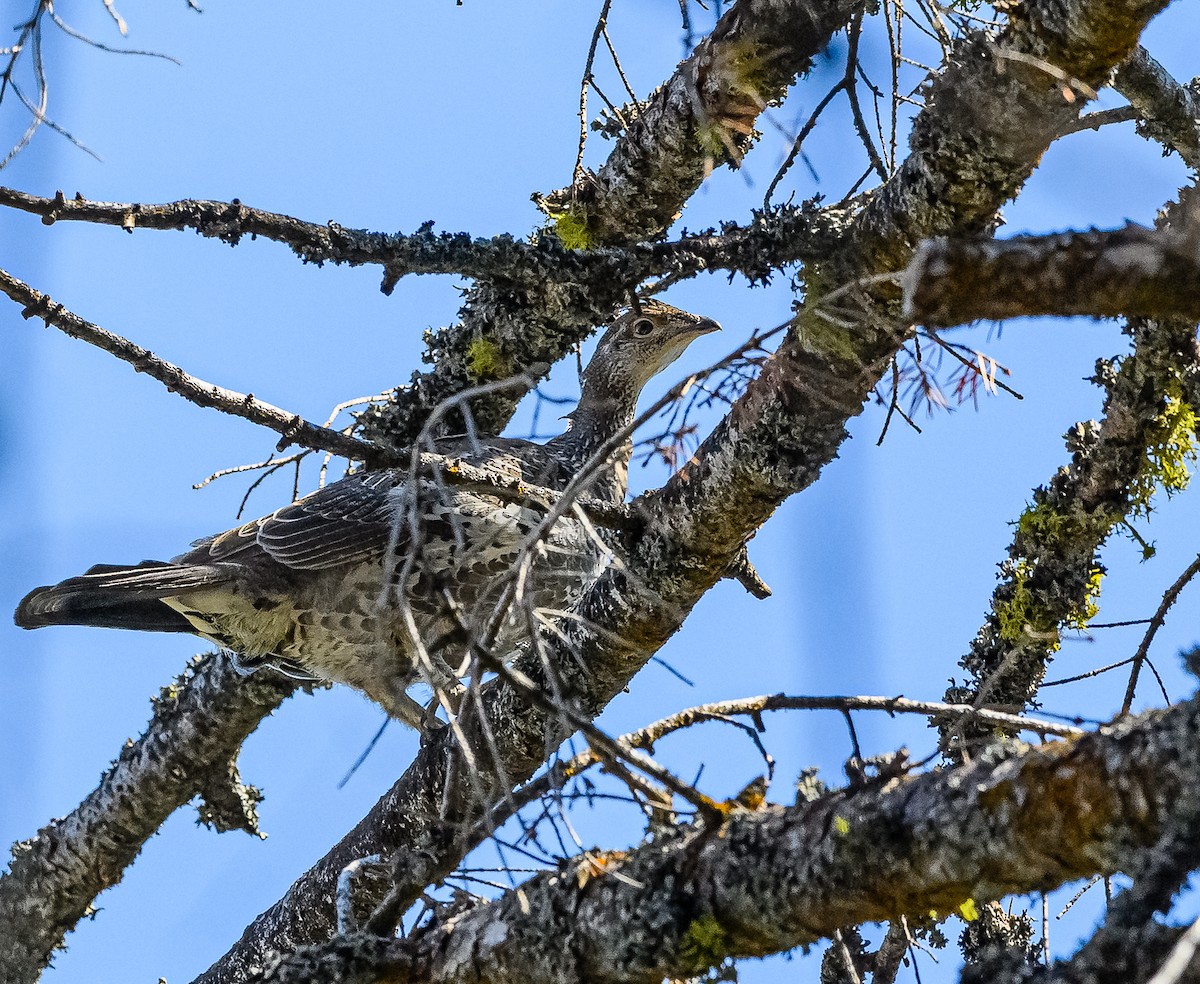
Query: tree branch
[1132, 271]
[293, 428]
[191, 743]
[778, 436]
[1170, 112]
[777, 878]
[751, 250]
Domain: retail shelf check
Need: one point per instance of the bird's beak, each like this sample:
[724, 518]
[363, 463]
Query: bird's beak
[706, 326]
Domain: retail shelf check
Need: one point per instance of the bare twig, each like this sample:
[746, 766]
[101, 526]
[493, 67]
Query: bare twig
[293, 428]
[646, 737]
[601, 21]
[1156, 621]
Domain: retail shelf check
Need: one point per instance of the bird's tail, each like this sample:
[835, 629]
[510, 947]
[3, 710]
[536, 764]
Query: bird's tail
[119, 597]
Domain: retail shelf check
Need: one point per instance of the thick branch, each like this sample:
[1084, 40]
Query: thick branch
[197, 728]
[755, 52]
[1132, 271]
[293, 428]
[1170, 112]
[988, 123]
[779, 878]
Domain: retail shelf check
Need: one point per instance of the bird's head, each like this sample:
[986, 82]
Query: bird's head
[641, 343]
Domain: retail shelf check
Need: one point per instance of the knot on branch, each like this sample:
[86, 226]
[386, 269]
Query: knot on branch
[226, 803]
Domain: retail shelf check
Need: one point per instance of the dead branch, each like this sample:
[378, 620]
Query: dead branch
[293, 428]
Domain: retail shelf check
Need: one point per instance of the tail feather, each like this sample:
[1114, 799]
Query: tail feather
[112, 596]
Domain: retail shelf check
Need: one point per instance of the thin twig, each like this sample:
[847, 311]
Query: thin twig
[860, 125]
[583, 89]
[79, 36]
[617, 65]
[1156, 623]
[1088, 675]
[293, 428]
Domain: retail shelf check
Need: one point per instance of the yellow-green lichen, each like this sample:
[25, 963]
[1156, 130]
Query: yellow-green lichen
[1013, 614]
[573, 228]
[748, 71]
[1078, 618]
[819, 333]
[841, 826]
[1019, 617]
[486, 361]
[1047, 527]
[1042, 524]
[713, 140]
[1170, 450]
[705, 943]
[967, 910]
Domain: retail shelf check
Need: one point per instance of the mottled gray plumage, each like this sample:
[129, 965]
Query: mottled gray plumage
[315, 582]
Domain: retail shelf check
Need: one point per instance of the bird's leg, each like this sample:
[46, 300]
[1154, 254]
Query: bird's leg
[404, 708]
[447, 688]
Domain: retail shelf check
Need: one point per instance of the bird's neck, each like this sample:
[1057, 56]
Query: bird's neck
[603, 412]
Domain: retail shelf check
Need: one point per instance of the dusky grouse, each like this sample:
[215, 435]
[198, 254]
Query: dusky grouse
[315, 584]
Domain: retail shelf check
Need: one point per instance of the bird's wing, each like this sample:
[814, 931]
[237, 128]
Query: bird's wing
[511, 457]
[343, 523]
[352, 520]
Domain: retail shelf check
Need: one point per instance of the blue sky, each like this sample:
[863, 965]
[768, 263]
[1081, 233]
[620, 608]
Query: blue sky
[382, 120]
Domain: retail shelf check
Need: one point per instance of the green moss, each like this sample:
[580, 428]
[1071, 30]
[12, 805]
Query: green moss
[1170, 450]
[705, 944]
[1014, 614]
[820, 333]
[573, 229]
[486, 361]
[711, 139]
[1078, 618]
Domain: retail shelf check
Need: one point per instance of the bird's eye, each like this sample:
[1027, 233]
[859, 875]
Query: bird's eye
[643, 327]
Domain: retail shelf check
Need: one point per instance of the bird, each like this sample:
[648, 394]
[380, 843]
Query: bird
[372, 581]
